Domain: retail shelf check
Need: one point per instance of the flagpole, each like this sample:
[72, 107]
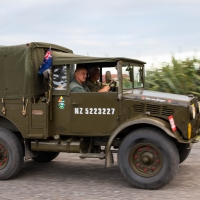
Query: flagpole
[50, 90]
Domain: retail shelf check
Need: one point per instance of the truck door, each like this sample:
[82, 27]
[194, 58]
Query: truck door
[93, 113]
[59, 110]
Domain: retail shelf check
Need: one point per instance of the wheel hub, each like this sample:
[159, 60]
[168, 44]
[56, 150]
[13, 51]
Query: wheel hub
[3, 156]
[145, 160]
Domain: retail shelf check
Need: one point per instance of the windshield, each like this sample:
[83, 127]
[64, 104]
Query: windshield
[132, 77]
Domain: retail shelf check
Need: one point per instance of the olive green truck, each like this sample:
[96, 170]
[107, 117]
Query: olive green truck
[151, 132]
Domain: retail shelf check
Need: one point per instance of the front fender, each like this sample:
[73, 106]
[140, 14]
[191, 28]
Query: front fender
[157, 122]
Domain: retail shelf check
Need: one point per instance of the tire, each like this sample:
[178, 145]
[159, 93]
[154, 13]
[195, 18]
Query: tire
[184, 152]
[11, 154]
[148, 159]
[45, 156]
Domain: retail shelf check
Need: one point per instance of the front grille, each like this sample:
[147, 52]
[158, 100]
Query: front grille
[167, 111]
[139, 107]
[153, 109]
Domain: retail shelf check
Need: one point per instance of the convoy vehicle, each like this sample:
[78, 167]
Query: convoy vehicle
[151, 132]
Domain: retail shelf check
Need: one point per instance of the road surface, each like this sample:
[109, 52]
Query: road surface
[68, 177]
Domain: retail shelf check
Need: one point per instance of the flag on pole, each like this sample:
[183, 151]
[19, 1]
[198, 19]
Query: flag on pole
[46, 64]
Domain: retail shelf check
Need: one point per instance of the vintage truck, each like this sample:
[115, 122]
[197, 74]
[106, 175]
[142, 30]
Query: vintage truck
[151, 132]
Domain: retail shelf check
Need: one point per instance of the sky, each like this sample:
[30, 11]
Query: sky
[148, 30]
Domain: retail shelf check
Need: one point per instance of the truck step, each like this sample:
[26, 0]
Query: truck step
[92, 155]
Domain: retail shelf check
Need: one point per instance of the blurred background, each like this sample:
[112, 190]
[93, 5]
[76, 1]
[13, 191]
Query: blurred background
[177, 76]
[164, 34]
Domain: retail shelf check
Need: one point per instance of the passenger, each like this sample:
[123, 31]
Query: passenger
[92, 81]
[77, 84]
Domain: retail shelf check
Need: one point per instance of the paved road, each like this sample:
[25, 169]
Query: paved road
[68, 177]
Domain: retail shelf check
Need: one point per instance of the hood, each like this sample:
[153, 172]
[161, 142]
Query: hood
[158, 97]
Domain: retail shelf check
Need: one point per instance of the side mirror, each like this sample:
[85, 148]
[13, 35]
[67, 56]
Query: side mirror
[108, 76]
[130, 71]
[138, 77]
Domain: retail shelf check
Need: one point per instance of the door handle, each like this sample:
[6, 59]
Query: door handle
[74, 104]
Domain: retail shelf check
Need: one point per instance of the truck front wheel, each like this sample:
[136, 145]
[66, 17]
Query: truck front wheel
[11, 154]
[148, 159]
[184, 152]
[45, 156]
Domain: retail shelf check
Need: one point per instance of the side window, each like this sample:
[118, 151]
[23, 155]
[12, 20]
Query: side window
[59, 77]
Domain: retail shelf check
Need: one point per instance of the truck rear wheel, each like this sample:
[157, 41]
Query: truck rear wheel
[148, 159]
[11, 154]
[44, 156]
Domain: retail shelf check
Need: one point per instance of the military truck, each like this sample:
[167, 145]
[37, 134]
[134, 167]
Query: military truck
[151, 132]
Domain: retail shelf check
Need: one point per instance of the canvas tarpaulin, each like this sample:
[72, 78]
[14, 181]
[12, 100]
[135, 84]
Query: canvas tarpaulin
[19, 69]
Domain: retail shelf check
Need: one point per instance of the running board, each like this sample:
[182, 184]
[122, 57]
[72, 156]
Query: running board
[92, 155]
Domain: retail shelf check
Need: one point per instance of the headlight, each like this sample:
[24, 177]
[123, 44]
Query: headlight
[192, 112]
[198, 107]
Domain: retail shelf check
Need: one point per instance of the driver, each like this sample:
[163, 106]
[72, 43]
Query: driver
[92, 81]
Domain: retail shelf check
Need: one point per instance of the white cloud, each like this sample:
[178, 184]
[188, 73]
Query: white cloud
[126, 28]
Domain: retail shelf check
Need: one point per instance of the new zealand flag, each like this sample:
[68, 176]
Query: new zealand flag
[46, 64]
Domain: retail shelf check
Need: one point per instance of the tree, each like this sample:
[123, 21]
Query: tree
[179, 77]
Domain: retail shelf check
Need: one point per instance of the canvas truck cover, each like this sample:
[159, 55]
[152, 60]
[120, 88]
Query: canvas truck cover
[60, 58]
[19, 69]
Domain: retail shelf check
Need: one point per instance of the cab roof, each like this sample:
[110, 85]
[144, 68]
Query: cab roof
[60, 58]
